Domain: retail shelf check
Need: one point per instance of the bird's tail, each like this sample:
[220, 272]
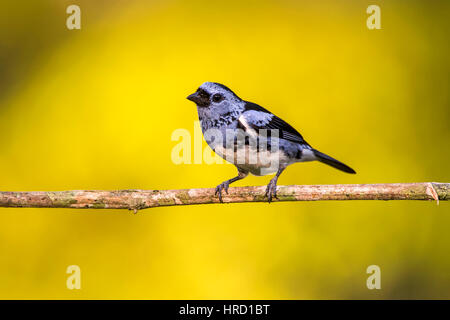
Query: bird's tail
[322, 157]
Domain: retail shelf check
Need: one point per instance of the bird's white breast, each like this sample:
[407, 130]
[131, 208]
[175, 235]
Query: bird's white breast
[258, 162]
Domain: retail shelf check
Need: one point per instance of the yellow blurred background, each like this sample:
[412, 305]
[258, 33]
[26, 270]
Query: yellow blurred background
[95, 109]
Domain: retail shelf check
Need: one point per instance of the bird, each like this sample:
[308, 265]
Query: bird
[251, 137]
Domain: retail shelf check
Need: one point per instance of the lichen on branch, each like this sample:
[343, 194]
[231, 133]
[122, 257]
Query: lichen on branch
[142, 199]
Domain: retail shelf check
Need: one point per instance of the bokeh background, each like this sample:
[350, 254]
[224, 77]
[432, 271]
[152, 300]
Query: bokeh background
[95, 109]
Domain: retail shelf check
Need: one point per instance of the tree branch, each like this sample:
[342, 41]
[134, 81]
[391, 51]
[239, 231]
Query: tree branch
[142, 199]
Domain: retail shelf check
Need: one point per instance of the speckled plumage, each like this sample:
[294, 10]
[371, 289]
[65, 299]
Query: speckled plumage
[251, 137]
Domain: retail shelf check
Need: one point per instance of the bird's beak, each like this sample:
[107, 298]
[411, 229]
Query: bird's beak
[198, 100]
[194, 97]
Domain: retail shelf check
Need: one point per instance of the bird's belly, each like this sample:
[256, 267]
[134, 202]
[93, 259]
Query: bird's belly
[257, 162]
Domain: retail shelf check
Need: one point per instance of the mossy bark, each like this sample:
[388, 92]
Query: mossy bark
[141, 199]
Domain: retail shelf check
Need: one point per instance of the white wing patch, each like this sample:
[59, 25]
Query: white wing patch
[254, 119]
[257, 118]
[247, 127]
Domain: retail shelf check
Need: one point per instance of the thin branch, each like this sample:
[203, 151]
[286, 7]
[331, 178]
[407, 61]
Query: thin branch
[142, 199]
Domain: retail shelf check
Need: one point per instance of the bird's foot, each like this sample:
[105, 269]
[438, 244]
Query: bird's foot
[220, 187]
[271, 190]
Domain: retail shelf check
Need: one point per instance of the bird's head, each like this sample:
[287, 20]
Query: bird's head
[214, 99]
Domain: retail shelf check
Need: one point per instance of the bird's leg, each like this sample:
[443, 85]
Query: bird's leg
[224, 185]
[271, 190]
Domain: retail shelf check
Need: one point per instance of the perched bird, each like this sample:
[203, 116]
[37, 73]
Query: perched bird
[252, 138]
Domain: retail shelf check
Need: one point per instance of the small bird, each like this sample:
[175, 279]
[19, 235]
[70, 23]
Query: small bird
[252, 138]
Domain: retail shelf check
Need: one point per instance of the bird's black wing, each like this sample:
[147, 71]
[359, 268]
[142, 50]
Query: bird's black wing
[257, 117]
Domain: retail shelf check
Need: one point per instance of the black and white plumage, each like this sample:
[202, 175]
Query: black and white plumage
[251, 137]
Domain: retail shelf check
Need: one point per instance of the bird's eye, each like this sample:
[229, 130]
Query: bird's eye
[217, 97]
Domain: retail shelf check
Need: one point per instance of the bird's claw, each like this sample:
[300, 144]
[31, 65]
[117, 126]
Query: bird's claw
[271, 190]
[220, 187]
